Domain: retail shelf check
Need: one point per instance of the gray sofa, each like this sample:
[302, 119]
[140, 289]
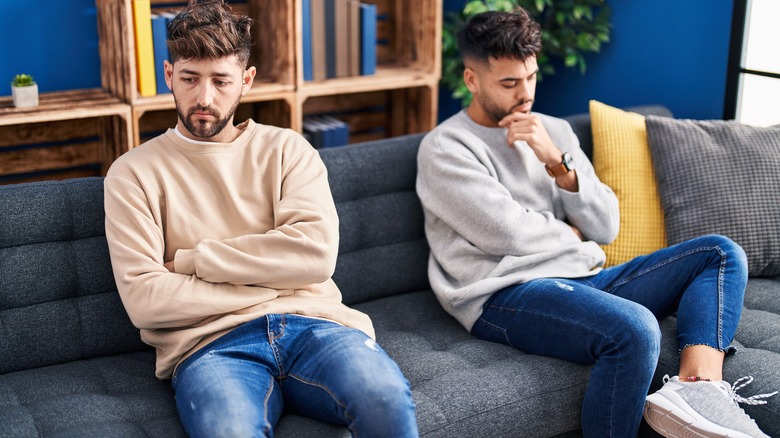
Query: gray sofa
[71, 363]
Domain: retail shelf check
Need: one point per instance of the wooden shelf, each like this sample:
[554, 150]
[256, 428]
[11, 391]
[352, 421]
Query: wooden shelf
[386, 78]
[66, 105]
[69, 134]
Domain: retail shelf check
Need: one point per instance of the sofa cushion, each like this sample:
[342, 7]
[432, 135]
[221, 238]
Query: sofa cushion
[58, 299]
[107, 396]
[464, 386]
[720, 177]
[382, 246]
[621, 158]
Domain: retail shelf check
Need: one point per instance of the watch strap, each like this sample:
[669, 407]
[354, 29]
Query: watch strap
[559, 169]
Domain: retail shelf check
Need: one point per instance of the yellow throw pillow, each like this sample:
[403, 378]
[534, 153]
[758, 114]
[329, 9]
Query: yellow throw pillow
[621, 157]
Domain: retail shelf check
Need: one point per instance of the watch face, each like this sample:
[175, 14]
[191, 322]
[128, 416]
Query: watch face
[568, 161]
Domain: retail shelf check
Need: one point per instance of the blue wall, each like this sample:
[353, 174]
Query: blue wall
[662, 51]
[53, 40]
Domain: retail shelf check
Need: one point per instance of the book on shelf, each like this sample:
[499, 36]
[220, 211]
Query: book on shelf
[144, 49]
[353, 37]
[325, 131]
[339, 39]
[339, 131]
[160, 45]
[308, 74]
[330, 38]
[318, 47]
[367, 39]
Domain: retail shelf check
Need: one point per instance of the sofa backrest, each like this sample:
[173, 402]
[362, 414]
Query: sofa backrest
[382, 248]
[58, 299]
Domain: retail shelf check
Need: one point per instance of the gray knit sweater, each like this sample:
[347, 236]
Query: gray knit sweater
[494, 218]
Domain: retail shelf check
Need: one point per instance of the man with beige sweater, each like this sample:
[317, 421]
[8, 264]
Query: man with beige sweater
[223, 240]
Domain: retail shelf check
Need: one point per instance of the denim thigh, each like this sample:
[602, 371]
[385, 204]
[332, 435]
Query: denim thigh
[229, 388]
[340, 375]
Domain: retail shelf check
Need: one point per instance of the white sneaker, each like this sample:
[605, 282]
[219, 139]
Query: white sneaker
[702, 409]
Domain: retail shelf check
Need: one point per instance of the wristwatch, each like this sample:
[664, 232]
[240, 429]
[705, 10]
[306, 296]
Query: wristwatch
[566, 166]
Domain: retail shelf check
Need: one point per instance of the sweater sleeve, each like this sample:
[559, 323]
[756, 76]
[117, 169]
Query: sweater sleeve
[593, 209]
[300, 250]
[155, 298]
[457, 188]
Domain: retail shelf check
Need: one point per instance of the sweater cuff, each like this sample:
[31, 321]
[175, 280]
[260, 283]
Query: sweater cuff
[184, 261]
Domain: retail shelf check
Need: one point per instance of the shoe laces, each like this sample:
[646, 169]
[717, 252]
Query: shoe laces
[752, 400]
[731, 391]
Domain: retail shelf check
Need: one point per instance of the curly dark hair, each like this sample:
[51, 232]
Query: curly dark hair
[499, 35]
[208, 29]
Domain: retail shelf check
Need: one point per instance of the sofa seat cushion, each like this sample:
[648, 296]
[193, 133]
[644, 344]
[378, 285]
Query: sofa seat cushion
[461, 384]
[107, 396]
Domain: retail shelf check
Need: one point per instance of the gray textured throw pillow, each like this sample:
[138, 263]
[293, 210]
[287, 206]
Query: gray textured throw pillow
[720, 177]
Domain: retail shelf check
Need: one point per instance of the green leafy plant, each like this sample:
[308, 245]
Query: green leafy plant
[570, 29]
[23, 80]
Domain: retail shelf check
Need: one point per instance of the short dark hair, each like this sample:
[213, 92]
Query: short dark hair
[499, 35]
[208, 29]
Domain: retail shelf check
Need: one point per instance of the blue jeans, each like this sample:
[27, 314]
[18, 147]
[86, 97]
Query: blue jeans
[610, 320]
[238, 385]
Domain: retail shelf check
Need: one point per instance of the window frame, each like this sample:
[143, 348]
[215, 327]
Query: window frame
[736, 56]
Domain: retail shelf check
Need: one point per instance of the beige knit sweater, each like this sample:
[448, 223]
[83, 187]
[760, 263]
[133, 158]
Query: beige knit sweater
[250, 226]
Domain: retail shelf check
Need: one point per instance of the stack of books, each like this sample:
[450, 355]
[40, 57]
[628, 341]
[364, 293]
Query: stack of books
[339, 39]
[325, 131]
[151, 48]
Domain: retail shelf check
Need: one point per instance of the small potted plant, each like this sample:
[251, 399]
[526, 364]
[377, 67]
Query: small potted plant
[24, 90]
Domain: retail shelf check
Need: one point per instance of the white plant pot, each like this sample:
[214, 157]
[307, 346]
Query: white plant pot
[25, 96]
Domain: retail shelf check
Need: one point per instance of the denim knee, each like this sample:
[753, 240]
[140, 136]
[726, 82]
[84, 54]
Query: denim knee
[642, 335]
[388, 407]
[731, 249]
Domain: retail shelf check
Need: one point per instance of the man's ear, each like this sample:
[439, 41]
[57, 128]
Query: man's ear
[247, 79]
[471, 79]
[168, 68]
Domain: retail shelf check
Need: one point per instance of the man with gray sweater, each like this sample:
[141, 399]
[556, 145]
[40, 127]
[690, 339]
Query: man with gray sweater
[514, 215]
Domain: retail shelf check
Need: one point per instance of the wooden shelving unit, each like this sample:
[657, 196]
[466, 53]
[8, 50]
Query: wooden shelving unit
[81, 132]
[404, 87]
[69, 134]
[402, 97]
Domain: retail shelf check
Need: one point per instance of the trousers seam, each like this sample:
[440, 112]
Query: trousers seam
[265, 405]
[721, 275]
[665, 262]
[272, 338]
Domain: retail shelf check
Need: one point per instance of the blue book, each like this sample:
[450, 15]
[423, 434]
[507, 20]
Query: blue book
[308, 72]
[339, 131]
[367, 39]
[315, 131]
[160, 47]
